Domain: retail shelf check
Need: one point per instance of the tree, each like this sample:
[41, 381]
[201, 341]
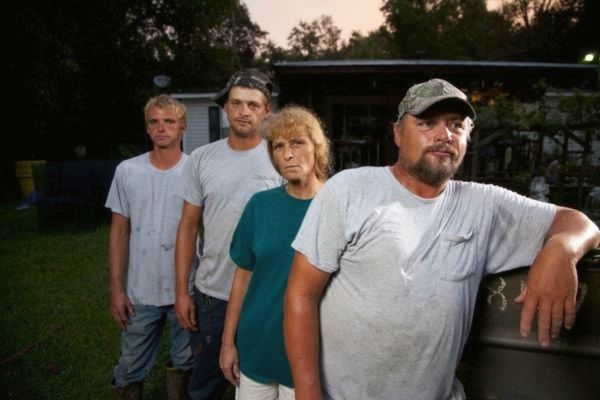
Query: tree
[317, 39]
[81, 71]
[240, 35]
[553, 30]
[368, 47]
[444, 29]
[416, 28]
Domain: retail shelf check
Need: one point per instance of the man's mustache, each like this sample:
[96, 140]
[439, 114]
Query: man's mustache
[443, 148]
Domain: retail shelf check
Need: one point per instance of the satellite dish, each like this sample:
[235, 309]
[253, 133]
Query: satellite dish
[162, 81]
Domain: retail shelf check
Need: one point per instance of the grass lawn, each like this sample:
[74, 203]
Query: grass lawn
[58, 338]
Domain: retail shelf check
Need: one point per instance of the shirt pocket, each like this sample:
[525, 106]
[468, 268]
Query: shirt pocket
[457, 256]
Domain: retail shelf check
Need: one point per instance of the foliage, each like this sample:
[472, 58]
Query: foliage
[562, 117]
[239, 35]
[552, 30]
[371, 46]
[451, 29]
[581, 111]
[317, 39]
[81, 71]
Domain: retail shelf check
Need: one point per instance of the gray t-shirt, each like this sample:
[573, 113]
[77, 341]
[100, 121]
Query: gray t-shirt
[146, 195]
[221, 181]
[394, 320]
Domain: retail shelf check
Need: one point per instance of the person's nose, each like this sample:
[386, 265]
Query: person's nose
[443, 132]
[287, 153]
[244, 110]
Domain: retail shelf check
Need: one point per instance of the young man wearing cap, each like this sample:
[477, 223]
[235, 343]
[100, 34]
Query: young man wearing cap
[145, 216]
[402, 250]
[217, 182]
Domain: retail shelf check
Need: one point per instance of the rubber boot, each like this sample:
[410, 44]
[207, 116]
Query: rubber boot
[177, 382]
[133, 391]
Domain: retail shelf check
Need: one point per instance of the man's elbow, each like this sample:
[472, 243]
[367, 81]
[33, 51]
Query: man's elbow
[569, 217]
[574, 223]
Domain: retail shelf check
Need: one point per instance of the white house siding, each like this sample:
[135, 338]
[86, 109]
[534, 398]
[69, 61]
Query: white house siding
[196, 134]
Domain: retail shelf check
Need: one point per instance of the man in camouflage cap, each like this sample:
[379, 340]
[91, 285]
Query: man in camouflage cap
[401, 251]
[218, 180]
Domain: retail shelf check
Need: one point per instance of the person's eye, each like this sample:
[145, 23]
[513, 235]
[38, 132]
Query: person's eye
[297, 142]
[277, 146]
[456, 126]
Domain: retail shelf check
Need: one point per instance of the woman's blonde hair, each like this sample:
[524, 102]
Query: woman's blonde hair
[293, 120]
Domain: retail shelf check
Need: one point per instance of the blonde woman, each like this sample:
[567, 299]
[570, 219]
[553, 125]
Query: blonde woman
[252, 353]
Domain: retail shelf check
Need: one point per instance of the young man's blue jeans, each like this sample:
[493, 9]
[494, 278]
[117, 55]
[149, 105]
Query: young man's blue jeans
[207, 381]
[140, 343]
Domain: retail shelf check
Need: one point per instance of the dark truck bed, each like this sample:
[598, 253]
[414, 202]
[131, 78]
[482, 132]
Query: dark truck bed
[499, 364]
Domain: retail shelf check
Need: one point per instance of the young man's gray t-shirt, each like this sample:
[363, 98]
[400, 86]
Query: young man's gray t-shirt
[147, 196]
[221, 181]
[394, 320]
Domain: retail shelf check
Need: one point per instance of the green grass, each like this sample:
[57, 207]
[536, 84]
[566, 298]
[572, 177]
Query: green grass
[58, 340]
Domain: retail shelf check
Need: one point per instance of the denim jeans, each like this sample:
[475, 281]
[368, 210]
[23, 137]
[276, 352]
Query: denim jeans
[140, 344]
[207, 381]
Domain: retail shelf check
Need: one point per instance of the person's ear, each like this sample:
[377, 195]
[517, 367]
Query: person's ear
[397, 132]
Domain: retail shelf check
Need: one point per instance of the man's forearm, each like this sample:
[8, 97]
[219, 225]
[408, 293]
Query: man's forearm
[118, 251]
[301, 327]
[184, 254]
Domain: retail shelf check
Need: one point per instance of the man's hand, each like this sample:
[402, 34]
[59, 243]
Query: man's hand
[551, 290]
[121, 309]
[185, 310]
[228, 361]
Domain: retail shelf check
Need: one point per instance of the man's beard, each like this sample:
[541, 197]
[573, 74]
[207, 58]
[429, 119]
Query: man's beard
[433, 173]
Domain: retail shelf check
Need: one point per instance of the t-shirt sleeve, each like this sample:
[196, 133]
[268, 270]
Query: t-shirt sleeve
[189, 187]
[518, 230]
[241, 251]
[321, 237]
[117, 199]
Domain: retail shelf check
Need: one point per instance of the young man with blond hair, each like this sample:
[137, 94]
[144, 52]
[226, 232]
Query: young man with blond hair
[145, 215]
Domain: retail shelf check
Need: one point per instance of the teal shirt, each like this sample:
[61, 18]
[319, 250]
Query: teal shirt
[262, 244]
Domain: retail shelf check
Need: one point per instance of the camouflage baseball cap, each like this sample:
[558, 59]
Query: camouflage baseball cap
[250, 78]
[423, 95]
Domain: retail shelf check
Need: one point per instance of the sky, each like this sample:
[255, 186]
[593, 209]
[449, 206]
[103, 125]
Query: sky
[278, 17]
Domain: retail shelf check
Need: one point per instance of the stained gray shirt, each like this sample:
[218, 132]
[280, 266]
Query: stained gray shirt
[221, 181]
[394, 318]
[146, 195]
